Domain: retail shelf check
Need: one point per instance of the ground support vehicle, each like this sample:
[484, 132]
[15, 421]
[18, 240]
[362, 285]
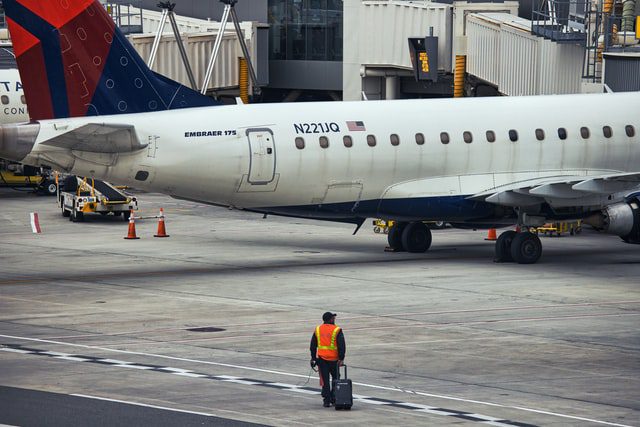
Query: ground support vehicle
[16, 175]
[558, 228]
[79, 196]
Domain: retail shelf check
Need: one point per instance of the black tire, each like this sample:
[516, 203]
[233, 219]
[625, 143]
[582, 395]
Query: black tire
[52, 188]
[526, 248]
[48, 188]
[394, 238]
[503, 246]
[65, 213]
[416, 237]
[77, 216]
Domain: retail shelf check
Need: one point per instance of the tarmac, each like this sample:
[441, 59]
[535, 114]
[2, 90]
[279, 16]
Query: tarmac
[211, 326]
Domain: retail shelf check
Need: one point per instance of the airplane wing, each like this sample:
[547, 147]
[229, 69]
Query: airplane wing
[565, 190]
[99, 138]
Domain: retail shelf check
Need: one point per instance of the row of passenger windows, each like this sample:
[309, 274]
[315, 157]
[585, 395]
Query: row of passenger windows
[467, 137]
[5, 99]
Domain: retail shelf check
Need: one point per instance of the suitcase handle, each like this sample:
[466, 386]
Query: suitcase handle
[345, 371]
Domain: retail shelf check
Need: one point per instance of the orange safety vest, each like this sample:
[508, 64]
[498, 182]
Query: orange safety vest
[326, 335]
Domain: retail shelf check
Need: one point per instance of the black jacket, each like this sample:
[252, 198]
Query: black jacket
[342, 347]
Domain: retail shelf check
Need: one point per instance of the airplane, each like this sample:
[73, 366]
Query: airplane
[96, 110]
[13, 104]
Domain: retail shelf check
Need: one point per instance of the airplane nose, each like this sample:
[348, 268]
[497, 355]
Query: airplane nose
[17, 140]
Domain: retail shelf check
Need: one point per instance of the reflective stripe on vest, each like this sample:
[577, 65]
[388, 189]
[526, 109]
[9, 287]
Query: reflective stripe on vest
[326, 335]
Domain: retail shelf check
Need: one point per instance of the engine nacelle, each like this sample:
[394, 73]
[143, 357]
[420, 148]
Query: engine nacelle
[621, 219]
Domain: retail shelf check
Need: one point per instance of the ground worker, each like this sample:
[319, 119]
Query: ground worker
[327, 352]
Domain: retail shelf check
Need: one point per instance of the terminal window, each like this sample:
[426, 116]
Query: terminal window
[305, 30]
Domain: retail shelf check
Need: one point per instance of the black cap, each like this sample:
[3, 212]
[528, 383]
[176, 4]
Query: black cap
[327, 316]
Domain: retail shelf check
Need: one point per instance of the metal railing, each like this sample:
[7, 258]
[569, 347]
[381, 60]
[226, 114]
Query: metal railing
[561, 21]
[608, 31]
[129, 22]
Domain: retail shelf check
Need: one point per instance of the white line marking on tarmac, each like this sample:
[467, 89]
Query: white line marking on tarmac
[395, 389]
[143, 404]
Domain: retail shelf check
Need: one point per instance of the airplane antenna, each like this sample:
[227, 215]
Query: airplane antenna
[167, 12]
[229, 10]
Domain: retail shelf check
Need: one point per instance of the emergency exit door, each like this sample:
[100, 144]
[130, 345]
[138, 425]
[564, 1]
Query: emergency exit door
[262, 164]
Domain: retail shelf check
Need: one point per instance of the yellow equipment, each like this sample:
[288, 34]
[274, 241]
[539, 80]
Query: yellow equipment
[382, 226]
[17, 175]
[557, 228]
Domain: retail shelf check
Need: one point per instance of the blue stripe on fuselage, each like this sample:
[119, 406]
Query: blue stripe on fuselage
[451, 208]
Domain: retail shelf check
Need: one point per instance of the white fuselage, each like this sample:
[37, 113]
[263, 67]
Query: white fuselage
[13, 107]
[245, 156]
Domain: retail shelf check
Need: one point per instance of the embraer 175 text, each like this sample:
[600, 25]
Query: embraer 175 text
[98, 111]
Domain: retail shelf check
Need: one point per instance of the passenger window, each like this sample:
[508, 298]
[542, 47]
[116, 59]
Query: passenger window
[299, 143]
[607, 132]
[395, 139]
[562, 133]
[444, 138]
[540, 134]
[491, 136]
[513, 135]
[468, 137]
[347, 141]
[23, 99]
[630, 131]
[419, 139]
[324, 142]
[584, 132]
[371, 140]
[5, 99]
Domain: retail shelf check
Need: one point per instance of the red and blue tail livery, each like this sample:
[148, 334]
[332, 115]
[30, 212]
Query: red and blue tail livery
[75, 62]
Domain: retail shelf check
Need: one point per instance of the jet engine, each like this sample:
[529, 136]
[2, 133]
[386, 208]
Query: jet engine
[621, 219]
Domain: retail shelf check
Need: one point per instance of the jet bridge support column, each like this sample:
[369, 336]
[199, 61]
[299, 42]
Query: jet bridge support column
[391, 87]
[167, 12]
[229, 10]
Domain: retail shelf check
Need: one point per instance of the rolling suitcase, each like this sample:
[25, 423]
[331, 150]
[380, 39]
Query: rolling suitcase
[343, 391]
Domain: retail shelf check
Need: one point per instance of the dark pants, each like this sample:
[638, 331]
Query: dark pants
[325, 367]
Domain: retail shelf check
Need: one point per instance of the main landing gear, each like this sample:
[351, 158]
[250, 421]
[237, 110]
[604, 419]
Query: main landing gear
[414, 237]
[523, 248]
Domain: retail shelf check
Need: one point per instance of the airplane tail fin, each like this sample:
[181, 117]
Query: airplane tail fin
[75, 62]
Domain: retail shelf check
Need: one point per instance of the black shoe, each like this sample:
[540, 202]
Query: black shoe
[326, 404]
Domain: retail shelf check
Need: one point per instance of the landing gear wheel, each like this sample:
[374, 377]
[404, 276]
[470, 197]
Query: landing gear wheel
[503, 246]
[416, 237]
[394, 238]
[526, 248]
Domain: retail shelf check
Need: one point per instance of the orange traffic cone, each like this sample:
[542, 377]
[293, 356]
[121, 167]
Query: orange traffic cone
[132, 227]
[491, 235]
[162, 232]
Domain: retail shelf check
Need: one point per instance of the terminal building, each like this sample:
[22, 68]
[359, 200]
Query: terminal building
[388, 49]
